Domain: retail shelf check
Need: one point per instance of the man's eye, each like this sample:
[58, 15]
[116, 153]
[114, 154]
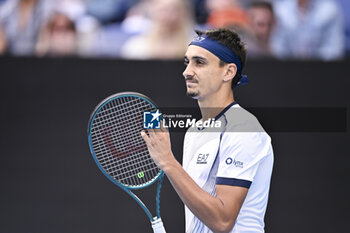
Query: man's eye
[186, 63]
[199, 62]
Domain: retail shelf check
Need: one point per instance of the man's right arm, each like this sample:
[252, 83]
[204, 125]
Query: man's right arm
[219, 213]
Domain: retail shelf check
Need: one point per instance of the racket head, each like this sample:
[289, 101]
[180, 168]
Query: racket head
[116, 144]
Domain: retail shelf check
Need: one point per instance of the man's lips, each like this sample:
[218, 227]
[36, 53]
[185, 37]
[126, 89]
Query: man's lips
[191, 81]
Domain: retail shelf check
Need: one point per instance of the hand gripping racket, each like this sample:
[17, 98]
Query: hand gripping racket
[119, 150]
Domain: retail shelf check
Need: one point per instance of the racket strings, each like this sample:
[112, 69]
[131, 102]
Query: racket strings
[118, 146]
[113, 167]
[123, 114]
[125, 140]
[114, 138]
[124, 172]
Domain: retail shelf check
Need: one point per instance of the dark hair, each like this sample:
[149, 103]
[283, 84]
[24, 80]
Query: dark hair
[262, 4]
[231, 40]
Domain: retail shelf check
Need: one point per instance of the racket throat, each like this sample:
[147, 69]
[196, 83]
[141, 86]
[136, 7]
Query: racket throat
[157, 225]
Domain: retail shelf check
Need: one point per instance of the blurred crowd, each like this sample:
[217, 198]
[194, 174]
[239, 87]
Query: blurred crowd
[162, 29]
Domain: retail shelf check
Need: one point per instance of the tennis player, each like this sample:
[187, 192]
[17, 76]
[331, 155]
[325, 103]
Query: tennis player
[225, 178]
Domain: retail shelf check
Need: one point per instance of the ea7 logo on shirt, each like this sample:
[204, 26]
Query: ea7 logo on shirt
[202, 158]
[234, 162]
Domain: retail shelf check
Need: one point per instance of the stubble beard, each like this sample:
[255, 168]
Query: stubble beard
[193, 95]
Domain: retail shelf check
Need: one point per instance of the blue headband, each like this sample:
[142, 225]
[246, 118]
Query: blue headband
[222, 52]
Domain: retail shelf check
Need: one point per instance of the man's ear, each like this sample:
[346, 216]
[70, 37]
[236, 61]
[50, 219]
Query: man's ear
[231, 70]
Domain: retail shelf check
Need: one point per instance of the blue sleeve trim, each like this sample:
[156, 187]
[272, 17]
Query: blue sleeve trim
[233, 182]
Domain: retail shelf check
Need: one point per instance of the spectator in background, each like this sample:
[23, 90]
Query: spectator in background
[112, 37]
[308, 29]
[62, 34]
[345, 6]
[108, 11]
[58, 37]
[200, 11]
[261, 25]
[20, 22]
[226, 13]
[3, 42]
[170, 32]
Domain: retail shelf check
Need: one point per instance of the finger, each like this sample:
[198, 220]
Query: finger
[159, 129]
[152, 134]
[159, 132]
[145, 137]
[162, 126]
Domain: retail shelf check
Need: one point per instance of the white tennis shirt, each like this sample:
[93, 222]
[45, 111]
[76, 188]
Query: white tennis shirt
[239, 153]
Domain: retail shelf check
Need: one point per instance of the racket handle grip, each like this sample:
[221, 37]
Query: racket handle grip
[157, 226]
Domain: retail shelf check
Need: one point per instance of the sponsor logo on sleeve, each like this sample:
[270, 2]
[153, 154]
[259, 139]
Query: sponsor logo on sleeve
[236, 163]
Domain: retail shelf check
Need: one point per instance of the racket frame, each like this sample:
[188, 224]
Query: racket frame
[128, 188]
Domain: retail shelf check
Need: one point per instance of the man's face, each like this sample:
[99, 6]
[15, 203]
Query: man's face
[262, 22]
[203, 74]
[169, 12]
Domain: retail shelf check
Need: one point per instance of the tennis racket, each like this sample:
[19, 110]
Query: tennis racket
[119, 150]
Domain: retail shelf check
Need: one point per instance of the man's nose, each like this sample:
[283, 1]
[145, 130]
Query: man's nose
[188, 72]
